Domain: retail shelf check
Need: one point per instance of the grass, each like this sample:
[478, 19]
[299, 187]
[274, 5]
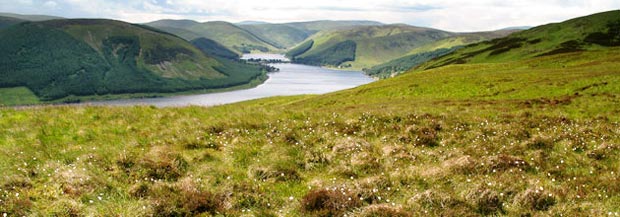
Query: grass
[377, 45]
[531, 137]
[17, 96]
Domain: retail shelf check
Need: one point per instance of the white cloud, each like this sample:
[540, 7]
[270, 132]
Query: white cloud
[50, 4]
[454, 15]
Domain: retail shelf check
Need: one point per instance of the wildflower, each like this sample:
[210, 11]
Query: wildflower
[291, 198]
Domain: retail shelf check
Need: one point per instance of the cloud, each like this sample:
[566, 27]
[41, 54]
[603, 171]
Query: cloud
[50, 4]
[453, 15]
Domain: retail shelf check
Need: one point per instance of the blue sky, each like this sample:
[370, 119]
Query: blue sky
[453, 15]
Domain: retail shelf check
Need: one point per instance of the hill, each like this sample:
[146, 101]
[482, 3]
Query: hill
[281, 35]
[594, 32]
[537, 136]
[9, 21]
[430, 51]
[323, 25]
[57, 59]
[227, 34]
[379, 44]
[251, 22]
[30, 17]
[213, 48]
[287, 35]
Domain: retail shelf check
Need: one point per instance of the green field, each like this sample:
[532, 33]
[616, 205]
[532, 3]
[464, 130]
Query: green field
[17, 96]
[530, 136]
[537, 136]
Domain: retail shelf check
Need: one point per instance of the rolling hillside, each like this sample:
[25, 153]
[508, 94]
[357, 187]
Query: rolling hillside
[213, 48]
[281, 35]
[30, 17]
[287, 35]
[9, 21]
[227, 34]
[534, 136]
[379, 44]
[594, 32]
[72, 58]
[430, 51]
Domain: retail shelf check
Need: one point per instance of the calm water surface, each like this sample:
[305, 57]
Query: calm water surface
[292, 79]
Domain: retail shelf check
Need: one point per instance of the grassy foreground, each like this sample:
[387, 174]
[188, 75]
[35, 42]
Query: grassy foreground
[535, 137]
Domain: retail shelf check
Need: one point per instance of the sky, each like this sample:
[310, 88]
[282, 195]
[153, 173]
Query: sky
[451, 15]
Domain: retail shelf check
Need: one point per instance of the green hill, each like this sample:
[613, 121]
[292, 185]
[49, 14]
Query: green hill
[9, 21]
[400, 65]
[62, 58]
[379, 44]
[534, 136]
[287, 35]
[313, 27]
[227, 34]
[281, 35]
[213, 48]
[430, 51]
[594, 32]
[30, 17]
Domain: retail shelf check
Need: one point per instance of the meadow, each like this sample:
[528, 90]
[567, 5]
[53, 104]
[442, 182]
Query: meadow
[535, 137]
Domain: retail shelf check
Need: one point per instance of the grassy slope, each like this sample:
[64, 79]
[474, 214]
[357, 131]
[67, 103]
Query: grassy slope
[380, 44]
[17, 96]
[227, 34]
[422, 142]
[30, 17]
[213, 48]
[430, 51]
[9, 21]
[568, 36]
[281, 35]
[375, 44]
[287, 35]
[537, 136]
[94, 57]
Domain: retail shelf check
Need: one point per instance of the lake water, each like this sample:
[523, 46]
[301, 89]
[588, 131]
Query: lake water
[292, 79]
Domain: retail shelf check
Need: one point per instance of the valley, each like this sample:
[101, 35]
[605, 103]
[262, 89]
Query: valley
[513, 122]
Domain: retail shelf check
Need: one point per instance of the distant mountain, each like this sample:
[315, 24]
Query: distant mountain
[373, 45]
[30, 17]
[213, 48]
[287, 35]
[594, 32]
[250, 22]
[322, 25]
[430, 51]
[281, 36]
[517, 28]
[9, 21]
[227, 34]
[62, 58]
